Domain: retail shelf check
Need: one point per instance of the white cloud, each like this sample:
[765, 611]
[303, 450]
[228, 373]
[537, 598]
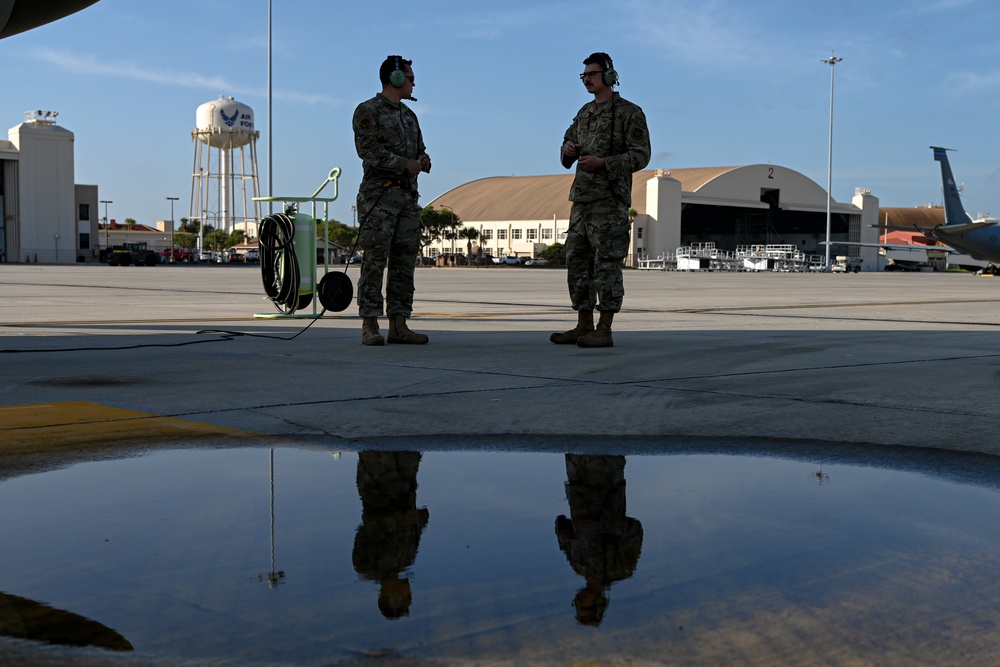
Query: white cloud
[942, 6]
[709, 34]
[89, 65]
[972, 82]
[496, 25]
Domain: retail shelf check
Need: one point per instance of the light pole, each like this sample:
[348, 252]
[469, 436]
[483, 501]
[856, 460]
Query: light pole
[107, 225]
[270, 115]
[172, 200]
[832, 62]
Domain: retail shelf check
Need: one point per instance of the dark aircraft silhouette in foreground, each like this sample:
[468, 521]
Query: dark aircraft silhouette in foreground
[17, 16]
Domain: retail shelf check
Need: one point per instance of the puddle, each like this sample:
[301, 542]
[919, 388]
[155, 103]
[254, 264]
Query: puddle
[298, 556]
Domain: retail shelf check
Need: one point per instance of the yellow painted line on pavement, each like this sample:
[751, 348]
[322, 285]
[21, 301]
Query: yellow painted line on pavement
[272, 316]
[806, 306]
[87, 323]
[72, 424]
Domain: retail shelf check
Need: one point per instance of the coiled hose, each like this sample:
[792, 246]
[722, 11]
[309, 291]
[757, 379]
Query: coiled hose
[279, 268]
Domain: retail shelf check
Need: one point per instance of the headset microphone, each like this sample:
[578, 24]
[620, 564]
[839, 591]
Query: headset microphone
[412, 98]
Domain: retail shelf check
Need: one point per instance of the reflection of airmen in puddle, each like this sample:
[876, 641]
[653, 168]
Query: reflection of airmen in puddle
[387, 539]
[600, 542]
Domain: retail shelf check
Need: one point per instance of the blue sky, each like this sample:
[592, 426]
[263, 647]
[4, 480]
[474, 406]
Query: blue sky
[722, 82]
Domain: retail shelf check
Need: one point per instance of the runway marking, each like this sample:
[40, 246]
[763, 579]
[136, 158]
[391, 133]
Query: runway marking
[83, 323]
[505, 313]
[72, 424]
[204, 320]
[804, 306]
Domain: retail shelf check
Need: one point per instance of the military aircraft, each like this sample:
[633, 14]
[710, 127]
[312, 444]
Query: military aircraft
[980, 239]
[961, 234]
[17, 16]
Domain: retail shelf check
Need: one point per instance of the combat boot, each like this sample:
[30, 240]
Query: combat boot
[400, 333]
[584, 325]
[601, 336]
[369, 332]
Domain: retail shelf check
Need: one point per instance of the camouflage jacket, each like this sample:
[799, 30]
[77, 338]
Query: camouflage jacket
[616, 131]
[386, 135]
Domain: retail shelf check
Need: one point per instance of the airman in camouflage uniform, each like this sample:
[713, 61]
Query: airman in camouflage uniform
[387, 540]
[601, 543]
[608, 141]
[391, 147]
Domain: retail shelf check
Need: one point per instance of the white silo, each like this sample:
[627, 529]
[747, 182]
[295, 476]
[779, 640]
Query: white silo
[224, 179]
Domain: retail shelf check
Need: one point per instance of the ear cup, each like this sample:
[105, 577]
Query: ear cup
[397, 78]
[610, 77]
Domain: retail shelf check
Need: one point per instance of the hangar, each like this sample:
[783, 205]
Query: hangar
[759, 204]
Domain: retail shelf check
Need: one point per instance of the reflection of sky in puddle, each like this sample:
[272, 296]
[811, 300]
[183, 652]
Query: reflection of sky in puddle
[716, 560]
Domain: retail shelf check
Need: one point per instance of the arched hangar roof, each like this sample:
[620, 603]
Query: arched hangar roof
[542, 197]
[909, 218]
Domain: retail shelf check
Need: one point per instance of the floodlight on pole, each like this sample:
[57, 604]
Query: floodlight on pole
[172, 200]
[832, 62]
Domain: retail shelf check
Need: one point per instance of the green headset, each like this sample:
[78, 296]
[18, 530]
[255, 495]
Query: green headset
[610, 76]
[397, 77]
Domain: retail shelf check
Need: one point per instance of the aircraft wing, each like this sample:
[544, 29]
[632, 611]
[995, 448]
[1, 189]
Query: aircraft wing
[897, 246]
[963, 228]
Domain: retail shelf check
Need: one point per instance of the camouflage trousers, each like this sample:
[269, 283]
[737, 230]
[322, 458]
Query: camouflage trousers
[596, 243]
[389, 237]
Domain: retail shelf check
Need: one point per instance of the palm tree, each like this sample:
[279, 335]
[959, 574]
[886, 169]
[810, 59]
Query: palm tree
[470, 234]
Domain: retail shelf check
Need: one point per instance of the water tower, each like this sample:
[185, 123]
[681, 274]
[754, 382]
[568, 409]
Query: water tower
[224, 180]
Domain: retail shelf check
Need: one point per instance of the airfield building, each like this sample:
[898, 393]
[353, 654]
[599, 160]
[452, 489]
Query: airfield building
[46, 217]
[729, 207]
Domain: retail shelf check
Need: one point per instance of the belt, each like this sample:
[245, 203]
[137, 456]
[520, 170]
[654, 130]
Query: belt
[397, 184]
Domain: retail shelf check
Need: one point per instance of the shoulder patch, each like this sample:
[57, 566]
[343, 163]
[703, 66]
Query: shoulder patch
[366, 123]
[639, 129]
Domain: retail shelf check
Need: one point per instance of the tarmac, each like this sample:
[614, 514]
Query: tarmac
[96, 361]
[890, 359]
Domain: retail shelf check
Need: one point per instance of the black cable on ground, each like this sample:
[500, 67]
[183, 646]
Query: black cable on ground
[281, 277]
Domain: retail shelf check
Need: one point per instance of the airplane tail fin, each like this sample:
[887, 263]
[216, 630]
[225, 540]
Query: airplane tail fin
[954, 212]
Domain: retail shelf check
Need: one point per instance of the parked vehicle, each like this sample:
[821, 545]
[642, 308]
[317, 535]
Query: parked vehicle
[208, 256]
[844, 264]
[135, 253]
[509, 261]
[252, 256]
[180, 255]
[231, 257]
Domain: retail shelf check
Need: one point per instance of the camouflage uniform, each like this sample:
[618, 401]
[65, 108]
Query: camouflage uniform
[387, 135]
[599, 229]
[388, 538]
[601, 543]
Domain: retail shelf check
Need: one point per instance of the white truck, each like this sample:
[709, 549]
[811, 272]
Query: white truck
[844, 264]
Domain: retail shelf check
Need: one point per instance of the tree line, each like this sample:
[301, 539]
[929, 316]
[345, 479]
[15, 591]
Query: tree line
[436, 225]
